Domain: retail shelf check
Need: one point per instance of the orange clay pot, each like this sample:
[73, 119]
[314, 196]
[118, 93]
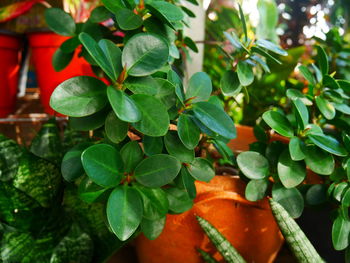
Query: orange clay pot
[249, 226]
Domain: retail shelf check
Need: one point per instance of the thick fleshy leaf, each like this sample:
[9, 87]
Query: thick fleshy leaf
[301, 113]
[201, 169]
[131, 154]
[322, 60]
[296, 149]
[340, 233]
[279, 123]
[291, 199]
[124, 211]
[291, 173]
[328, 144]
[215, 119]
[245, 73]
[144, 54]
[199, 87]
[103, 164]
[155, 118]
[230, 84]
[188, 131]
[176, 148]
[179, 200]
[165, 11]
[271, 47]
[157, 170]
[79, 96]
[123, 106]
[127, 19]
[60, 22]
[152, 228]
[253, 165]
[116, 129]
[319, 161]
[152, 145]
[325, 107]
[256, 189]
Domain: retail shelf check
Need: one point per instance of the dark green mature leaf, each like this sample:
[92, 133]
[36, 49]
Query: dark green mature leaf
[253, 165]
[264, 53]
[103, 164]
[199, 87]
[60, 22]
[291, 199]
[346, 140]
[201, 169]
[328, 144]
[188, 132]
[245, 73]
[230, 84]
[155, 118]
[127, 19]
[152, 228]
[330, 82]
[296, 149]
[142, 85]
[179, 200]
[190, 43]
[340, 233]
[215, 119]
[344, 85]
[100, 14]
[79, 96]
[116, 129]
[291, 173]
[279, 123]
[157, 170]
[61, 60]
[165, 11]
[144, 54]
[131, 154]
[88, 123]
[301, 112]
[176, 148]
[342, 108]
[271, 47]
[124, 106]
[325, 107]
[318, 160]
[316, 194]
[71, 166]
[89, 192]
[187, 182]
[124, 211]
[152, 145]
[70, 45]
[256, 189]
[307, 74]
[113, 5]
[322, 60]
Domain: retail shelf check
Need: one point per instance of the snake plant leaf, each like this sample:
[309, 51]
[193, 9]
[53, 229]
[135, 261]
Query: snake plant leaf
[88, 123]
[179, 200]
[322, 60]
[301, 113]
[10, 153]
[256, 189]
[152, 145]
[301, 247]
[60, 22]
[215, 119]
[103, 164]
[61, 60]
[124, 211]
[228, 252]
[144, 54]
[155, 118]
[166, 12]
[340, 233]
[307, 74]
[271, 47]
[71, 166]
[326, 108]
[245, 73]
[253, 165]
[319, 161]
[152, 228]
[278, 122]
[328, 143]
[207, 257]
[290, 198]
[296, 149]
[131, 154]
[127, 19]
[291, 173]
[188, 131]
[124, 106]
[176, 148]
[201, 169]
[199, 87]
[116, 129]
[155, 202]
[157, 170]
[88, 191]
[230, 84]
[79, 96]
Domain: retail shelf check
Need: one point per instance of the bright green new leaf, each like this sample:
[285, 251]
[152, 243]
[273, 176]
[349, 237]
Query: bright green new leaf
[176, 148]
[201, 169]
[253, 165]
[328, 144]
[322, 60]
[116, 129]
[296, 149]
[256, 189]
[60, 22]
[319, 161]
[127, 19]
[230, 84]
[188, 132]
[199, 87]
[279, 123]
[245, 73]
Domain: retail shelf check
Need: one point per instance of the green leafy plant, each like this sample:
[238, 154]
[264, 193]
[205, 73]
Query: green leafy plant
[148, 128]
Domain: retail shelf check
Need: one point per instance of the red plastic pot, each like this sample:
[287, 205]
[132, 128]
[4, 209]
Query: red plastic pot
[43, 47]
[9, 71]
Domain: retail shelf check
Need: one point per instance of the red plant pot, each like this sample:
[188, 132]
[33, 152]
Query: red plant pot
[9, 69]
[43, 47]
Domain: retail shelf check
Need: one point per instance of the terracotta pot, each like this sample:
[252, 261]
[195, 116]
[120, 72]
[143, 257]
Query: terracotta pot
[43, 47]
[9, 71]
[249, 226]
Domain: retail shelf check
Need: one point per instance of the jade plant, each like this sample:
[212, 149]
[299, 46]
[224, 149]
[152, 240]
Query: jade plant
[148, 126]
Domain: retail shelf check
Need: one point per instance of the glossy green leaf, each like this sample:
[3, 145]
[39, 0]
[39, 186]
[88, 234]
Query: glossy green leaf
[345, 200]
[230, 84]
[330, 82]
[157, 170]
[279, 123]
[190, 43]
[291, 173]
[113, 5]
[301, 113]
[201, 169]
[322, 60]
[152, 145]
[165, 11]
[60, 22]
[179, 201]
[271, 47]
[100, 14]
[294, 94]
[328, 144]
[127, 19]
[88, 123]
[318, 160]
[176, 148]
[142, 85]
[291, 199]
[265, 54]
[152, 228]
[307, 74]
[144, 54]
[253, 165]
[346, 140]
[340, 233]
[89, 192]
[339, 190]
[325, 107]
[79, 96]
[124, 211]
[241, 17]
[132, 155]
[116, 129]
[61, 60]
[215, 119]
[103, 164]
[342, 108]
[245, 73]
[199, 87]
[256, 189]
[70, 45]
[296, 149]
[188, 132]
[344, 85]
[188, 182]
